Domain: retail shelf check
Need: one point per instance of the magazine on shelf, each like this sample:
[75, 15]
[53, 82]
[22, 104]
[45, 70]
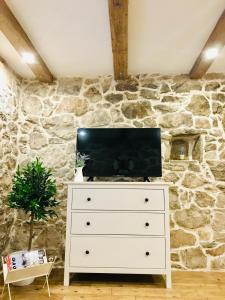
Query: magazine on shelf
[24, 259]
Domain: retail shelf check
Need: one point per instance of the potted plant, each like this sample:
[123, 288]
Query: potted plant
[34, 191]
[79, 164]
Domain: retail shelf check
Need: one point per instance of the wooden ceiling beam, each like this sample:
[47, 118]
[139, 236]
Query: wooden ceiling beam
[216, 41]
[22, 44]
[118, 15]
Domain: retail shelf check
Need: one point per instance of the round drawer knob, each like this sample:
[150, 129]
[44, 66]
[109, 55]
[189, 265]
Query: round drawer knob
[88, 223]
[87, 252]
[88, 199]
[147, 224]
[146, 200]
[147, 253]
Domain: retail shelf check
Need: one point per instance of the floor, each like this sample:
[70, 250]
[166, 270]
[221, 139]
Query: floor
[186, 286]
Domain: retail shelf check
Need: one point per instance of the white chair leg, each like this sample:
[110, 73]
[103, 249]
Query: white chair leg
[44, 283]
[3, 291]
[48, 286]
[9, 293]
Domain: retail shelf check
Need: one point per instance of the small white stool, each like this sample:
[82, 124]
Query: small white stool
[27, 273]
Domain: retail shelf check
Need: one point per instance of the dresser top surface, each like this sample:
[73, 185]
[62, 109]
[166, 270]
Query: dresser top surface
[99, 183]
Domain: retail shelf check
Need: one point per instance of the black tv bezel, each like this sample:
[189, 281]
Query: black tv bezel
[92, 175]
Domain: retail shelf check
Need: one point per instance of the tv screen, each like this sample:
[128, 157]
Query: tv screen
[133, 152]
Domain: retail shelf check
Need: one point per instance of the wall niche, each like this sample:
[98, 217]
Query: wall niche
[186, 147]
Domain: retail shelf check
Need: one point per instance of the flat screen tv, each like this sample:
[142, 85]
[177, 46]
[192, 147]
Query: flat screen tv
[132, 152]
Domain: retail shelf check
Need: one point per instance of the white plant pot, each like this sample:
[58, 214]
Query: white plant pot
[79, 175]
[24, 282]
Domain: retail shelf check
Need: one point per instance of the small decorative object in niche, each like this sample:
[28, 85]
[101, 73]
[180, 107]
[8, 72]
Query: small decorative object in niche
[80, 163]
[182, 155]
[179, 150]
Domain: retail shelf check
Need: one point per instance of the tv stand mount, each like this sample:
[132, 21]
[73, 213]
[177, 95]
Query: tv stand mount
[145, 179]
[91, 178]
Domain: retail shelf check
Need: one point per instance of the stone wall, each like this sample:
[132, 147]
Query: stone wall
[189, 110]
[9, 95]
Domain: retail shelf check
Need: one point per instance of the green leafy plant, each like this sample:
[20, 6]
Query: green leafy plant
[81, 160]
[34, 191]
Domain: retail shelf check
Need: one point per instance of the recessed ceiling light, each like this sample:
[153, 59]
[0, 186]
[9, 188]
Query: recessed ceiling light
[211, 53]
[28, 58]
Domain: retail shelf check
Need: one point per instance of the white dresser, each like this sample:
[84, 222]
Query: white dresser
[117, 228]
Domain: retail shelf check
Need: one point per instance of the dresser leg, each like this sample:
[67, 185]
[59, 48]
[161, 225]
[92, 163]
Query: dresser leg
[66, 278]
[168, 281]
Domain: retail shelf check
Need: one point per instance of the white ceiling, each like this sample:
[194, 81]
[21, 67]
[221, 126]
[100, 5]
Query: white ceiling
[73, 36]
[166, 36]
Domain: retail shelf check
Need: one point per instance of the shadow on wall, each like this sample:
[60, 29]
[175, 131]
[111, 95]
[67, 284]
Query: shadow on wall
[9, 95]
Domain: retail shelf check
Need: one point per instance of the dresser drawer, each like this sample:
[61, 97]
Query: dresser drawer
[117, 252]
[118, 199]
[118, 223]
